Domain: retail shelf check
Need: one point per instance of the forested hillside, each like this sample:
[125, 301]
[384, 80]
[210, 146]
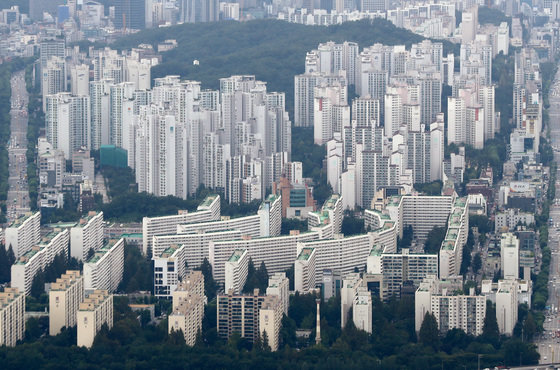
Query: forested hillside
[272, 50]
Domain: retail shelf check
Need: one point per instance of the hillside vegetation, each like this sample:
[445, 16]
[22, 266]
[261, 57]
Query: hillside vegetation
[274, 51]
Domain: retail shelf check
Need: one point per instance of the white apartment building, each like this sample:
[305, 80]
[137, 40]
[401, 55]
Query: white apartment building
[331, 212]
[451, 252]
[12, 316]
[196, 244]
[65, 296]
[341, 254]
[277, 253]
[305, 270]
[396, 268]
[270, 321]
[68, 122]
[187, 317]
[348, 291]
[279, 285]
[248, 225]
[87, 235]
[23, 233]
[104, 270]
[94, 311]
[362, 308]
[506, 306]
[208, 210]
[466, 312]
[236, 269]
[37, 259]
[169, 269]
[509, 256]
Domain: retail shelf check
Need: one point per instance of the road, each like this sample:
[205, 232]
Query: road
[18, 193]
[548, 345]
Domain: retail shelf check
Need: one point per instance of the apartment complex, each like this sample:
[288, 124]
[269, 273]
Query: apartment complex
[23, 233]
[12, 316]
[94, 311]
[86, 236]
[28, 265]
[104, 270]
[65, 297]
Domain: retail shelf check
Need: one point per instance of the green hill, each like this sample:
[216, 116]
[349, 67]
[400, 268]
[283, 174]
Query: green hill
[272, 50]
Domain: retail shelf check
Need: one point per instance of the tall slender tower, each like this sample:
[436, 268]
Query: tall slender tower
[318, 336]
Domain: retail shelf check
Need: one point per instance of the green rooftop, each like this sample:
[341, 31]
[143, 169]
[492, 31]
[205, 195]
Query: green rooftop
[132, 235]
[208, 201]
[236, 255]
[305, 254]
[24, 258]
[101, 252]
[331, 202]
[448, 245]
[376, 251]
[20, 220]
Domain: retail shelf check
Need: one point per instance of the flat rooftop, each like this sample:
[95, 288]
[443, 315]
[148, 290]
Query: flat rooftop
[305, 254]
[236, 255]
[20, 220]
[208, 201]
[101, 252]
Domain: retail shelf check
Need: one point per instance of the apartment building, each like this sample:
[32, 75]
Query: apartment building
[277, 253]
[104, 270]
[466, 312]
[86, 236]
[244, 314]
[451, 252]
[236, 270]
[187, 317]
[192, 284]
[305, 270]
[94, 311]
[12, 316]
[196, 244]
[208, 210]
[279, 285]
[23, 233]
[65, 296]
[28, 265]
[169, 269]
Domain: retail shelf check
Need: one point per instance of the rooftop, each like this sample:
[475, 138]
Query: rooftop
[331, 202]
[236, 255]
[305, 254]
[208, 201]
[376, 251]
[20, 220]
[101, 252]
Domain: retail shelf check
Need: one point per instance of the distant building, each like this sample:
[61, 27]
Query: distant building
[236, 269]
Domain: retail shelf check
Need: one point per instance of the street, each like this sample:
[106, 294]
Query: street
[18, 193]
[548, 345]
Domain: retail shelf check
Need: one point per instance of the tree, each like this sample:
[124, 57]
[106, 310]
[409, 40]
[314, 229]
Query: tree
[490, 330]
[434, 239]
[210, 286]
[529, 328]
[477, 262]
[429, 333]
